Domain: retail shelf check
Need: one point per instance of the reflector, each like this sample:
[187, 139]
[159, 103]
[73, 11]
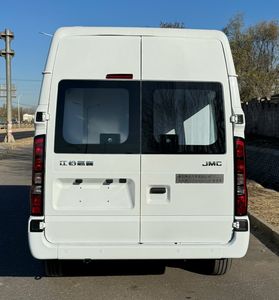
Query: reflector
[36, 204]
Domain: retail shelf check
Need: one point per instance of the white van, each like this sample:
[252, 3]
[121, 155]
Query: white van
[139, 149]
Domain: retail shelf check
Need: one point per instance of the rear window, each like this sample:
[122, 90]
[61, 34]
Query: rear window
[183, 117]
[97, 117]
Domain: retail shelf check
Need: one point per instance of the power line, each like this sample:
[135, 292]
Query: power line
[28, 80]
[27, 105]
[21, 104]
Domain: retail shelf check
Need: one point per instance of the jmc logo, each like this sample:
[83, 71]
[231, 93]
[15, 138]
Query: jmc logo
[212, 164]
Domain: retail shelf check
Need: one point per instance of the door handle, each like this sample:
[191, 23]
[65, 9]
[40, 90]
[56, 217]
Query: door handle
[157, 190]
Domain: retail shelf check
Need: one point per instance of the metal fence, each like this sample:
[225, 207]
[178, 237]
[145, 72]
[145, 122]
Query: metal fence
[262, 118]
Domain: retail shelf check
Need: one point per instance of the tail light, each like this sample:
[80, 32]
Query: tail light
[37, 189]
[241, 198]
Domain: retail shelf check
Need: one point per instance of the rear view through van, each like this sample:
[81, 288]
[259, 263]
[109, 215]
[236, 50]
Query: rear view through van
[139, 149]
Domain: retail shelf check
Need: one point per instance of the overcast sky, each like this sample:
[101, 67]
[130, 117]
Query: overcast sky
[29, 17]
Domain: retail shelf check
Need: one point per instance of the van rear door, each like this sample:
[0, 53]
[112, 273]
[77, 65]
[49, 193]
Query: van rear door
[187, 181]
[92, 180]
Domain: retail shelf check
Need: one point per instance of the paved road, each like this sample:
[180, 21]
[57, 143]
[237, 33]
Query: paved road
[21, 277]
[18, 135]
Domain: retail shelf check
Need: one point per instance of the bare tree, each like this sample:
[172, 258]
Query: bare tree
[256, 56]
[172, 25]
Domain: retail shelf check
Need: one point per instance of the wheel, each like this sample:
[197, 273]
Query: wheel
[218, 266]
[208, 266]
[53, 268]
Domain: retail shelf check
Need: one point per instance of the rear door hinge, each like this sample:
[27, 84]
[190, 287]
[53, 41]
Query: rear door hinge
[37, 225]
[236, 225]
[240, 225]
[237, 119]
[42, 116]
[42, 225]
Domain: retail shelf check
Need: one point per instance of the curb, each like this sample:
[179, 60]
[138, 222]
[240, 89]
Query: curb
[269, 232]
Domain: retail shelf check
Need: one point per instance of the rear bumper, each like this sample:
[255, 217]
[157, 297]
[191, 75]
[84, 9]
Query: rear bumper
[43, 249]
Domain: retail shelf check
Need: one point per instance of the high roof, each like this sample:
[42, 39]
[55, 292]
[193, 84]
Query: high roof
[65, 32]
[139, 31]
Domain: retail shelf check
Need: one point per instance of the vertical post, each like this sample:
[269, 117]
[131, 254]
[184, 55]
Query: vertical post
[18, 111]
[7, 35]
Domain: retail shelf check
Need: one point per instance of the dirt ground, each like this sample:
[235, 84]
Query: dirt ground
[263, 203]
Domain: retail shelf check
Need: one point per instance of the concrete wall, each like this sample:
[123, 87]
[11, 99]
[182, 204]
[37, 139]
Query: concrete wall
[262, 118]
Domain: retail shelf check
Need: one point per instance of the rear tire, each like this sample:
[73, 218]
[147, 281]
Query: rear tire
[219, 266]
[208, 266]
[53, 268]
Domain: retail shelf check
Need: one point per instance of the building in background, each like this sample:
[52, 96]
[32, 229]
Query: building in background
[27, 118]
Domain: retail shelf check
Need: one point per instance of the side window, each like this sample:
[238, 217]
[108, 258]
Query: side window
[97, 117]
[182, 117]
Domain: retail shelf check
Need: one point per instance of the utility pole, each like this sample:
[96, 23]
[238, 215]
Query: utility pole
[8, 53]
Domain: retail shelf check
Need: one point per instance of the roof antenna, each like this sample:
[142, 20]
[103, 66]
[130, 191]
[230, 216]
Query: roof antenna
[45, 33]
